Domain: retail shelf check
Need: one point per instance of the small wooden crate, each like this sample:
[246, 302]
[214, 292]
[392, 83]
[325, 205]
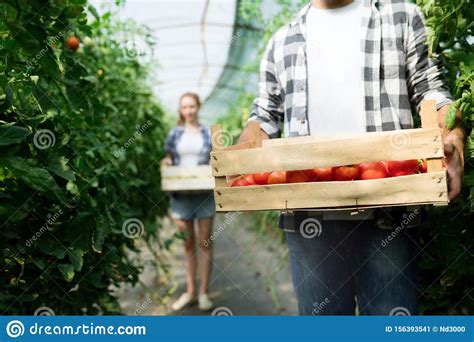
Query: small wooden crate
[300, 153]
[177, 178]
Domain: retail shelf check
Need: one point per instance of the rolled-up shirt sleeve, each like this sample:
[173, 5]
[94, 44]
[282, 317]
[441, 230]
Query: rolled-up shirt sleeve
[268, 106]
[424, 74]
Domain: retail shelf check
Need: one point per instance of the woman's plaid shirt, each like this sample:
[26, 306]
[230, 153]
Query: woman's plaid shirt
[397, 72]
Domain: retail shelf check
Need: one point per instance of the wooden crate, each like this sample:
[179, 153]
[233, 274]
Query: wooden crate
[177, 178]
[300, 153]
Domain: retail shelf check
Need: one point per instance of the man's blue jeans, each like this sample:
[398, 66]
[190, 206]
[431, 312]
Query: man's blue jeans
[349, 261]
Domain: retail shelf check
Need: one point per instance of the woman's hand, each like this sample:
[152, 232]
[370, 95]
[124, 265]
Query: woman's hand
[167, 161]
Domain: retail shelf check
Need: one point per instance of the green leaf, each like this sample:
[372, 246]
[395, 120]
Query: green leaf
[451, 116]
[37, 178]
[94, 12]
[472, 199]
[76, 257]
[67, 271]
[59, 252]
[90, 78]
[59, 167]
[7, 99]
[49, 64]
[98, 236]
[10, 134]
[72, 188]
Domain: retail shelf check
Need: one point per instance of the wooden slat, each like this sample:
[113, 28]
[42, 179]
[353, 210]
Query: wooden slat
[189, 184]
[255, 137]
[217, 146]
[240, 146]
[200, 171]
[429, 119]
[303, 140]
[393, 145]
[413, 189]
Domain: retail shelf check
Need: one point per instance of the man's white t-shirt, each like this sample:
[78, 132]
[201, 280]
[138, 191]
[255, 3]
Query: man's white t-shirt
[335, 61]
[335, 83]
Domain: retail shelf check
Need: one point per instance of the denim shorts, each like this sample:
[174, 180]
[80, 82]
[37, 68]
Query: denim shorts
[190, 206]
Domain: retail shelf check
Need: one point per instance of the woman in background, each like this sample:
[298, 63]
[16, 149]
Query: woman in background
[189, 144]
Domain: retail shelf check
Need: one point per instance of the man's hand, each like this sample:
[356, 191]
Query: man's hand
[454, 161]
[453, 140]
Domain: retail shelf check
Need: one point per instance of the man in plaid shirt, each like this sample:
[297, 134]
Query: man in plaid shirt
[347, 66]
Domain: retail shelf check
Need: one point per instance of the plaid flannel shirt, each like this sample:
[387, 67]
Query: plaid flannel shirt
[397, 72]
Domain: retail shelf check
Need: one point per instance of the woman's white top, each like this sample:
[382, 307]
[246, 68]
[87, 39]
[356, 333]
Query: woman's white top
[189, 147]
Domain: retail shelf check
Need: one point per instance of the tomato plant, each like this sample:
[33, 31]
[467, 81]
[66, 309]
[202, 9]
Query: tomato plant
[80, 141]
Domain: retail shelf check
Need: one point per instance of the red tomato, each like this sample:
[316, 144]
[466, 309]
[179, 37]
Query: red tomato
[373, 174]
[423, 167]
[249, 179]
[233, 181]
[323, 174]
[241, 182]
[261, 178]
[372, 170]
[346, 173]
[297, 177]
[310, 175]
[402, 168]
[73, 43]
[277, 177]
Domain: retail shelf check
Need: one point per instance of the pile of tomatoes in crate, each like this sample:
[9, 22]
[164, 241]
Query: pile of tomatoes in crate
[363, 171]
